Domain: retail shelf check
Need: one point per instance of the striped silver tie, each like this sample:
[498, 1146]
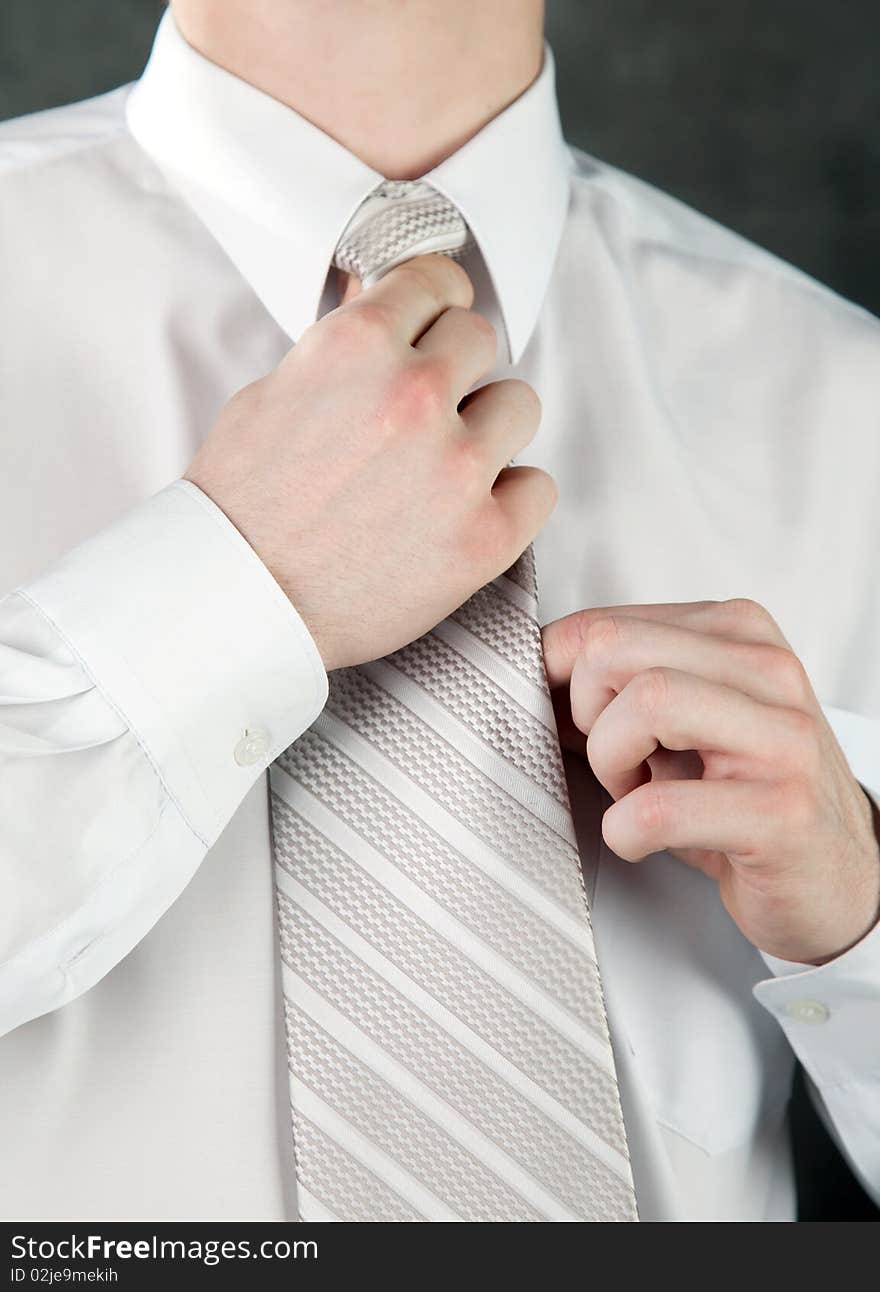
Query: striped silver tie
[447, 1043]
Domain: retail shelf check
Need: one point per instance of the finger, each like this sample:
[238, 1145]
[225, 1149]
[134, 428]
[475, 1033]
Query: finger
[521, 501]
[663, 708]
[736, 620]
[412, 296]
[463, 346]
[617, 648]
[664, 764]
[737, 818]
[503, 418]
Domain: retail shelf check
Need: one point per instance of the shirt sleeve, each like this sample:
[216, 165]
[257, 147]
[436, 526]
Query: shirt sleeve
[146, 682]
[831, 1013]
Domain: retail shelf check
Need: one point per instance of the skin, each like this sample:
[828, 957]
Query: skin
[698, 719]
[701, 723]
[349, 65]
[381, 500]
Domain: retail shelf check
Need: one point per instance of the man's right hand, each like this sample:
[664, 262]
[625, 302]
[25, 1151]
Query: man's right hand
[378, 504]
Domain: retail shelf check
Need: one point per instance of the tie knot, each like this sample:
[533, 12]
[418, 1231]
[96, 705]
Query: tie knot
[400, 219]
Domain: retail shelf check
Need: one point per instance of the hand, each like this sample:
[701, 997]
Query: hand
[378, 504]
[703, 727]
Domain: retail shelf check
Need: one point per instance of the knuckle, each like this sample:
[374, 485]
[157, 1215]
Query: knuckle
[787, 672]
[483, 338]
[436, 372]
[362, 323]
[482, 326]
[248, 402]
[546, 484]
[600, 637]
[417, 393]
[310, 338]
[651, 690]
[746, 613]
[243, 398]
[449, 272]
[467, 466]
[651, 811]
[803, 733]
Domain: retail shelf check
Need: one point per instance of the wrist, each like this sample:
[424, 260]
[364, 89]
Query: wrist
[866, 895]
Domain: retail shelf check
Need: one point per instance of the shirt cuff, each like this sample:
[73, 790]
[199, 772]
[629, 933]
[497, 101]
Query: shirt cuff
[187, 634]
[829, 1012]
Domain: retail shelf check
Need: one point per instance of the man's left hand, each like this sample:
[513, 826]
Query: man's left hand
[702, 725]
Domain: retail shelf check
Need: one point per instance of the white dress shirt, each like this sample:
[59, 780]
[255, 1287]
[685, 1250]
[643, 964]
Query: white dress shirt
[710, 414]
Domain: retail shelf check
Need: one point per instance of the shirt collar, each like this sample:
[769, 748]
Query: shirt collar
[276, 192]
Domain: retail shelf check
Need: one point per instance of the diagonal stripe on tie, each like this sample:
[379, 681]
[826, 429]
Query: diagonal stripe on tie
[447, 1042]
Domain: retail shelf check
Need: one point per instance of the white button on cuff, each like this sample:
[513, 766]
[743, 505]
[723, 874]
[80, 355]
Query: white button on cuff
[252, 748]
[808, 1011]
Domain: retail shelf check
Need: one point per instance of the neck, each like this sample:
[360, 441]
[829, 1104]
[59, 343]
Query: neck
[401, 84]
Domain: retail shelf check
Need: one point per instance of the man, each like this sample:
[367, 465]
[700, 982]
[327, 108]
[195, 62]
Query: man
[429, 1008]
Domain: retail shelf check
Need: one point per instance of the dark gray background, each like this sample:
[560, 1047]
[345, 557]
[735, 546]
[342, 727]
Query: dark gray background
[762, 113]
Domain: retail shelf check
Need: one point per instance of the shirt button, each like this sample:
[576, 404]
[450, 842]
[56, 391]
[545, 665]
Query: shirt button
[252, 748]
[808, 1011]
